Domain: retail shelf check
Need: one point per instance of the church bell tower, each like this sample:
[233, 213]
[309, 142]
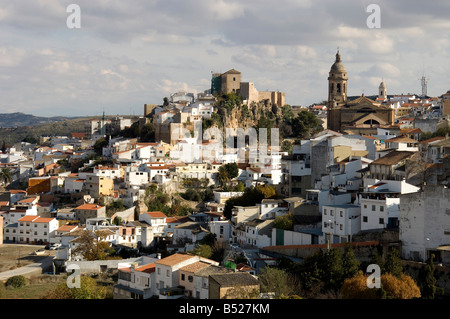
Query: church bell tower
[337, 93]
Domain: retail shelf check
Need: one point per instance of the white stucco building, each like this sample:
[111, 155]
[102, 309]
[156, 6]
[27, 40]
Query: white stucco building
[425, 224]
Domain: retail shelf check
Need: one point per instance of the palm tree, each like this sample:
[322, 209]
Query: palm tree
[6, 175]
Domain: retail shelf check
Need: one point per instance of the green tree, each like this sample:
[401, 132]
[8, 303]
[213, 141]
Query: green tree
[350, 263]
[205, 251]
[278, 281]
[99, 144]
[147, 133]
[393, 264]
[227, 173]
[240, 187]
[92, 245]
[286, 146]
[305, 124]
[285, 222]
[429, 284]
[287, 113]
[89, 289]
[6, 175]
[251, 196]
[333, 270]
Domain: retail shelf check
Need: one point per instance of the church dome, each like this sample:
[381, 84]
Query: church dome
[338, 66]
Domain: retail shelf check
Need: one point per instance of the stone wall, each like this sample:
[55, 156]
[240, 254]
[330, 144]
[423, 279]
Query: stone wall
[98, 266]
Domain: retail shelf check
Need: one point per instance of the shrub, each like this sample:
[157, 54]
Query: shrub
[16, 281]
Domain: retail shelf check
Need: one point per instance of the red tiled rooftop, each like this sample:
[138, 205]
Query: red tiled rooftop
[89, 207]
[147, 268]
[28, 218]
[157, 214]
[43, 220]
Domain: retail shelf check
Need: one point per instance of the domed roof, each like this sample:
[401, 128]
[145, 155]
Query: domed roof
[338, 66]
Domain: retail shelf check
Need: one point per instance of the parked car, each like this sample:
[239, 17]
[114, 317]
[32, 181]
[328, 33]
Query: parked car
[39, 252]
[55, 246]
[48, 246]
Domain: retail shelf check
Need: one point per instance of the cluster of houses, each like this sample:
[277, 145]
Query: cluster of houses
[336, 186]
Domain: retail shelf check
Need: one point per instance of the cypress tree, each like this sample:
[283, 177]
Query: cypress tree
[429, 285]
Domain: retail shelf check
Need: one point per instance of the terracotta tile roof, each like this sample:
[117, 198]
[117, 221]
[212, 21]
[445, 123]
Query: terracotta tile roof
[174, 259]
[27, 200]
[67, 228]
[28, 218]
[147, 268]
[377, 185]
[156, 214]
[89, 207]
[43, 220]
[177, 219]
[17, 191]
[199, 265]
[434, 139]
[401, 139]
[392, 158]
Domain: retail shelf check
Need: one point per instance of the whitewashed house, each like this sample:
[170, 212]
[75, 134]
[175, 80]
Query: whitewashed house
[341, 222]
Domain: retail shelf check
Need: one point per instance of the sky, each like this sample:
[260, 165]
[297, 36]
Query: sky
[129, 53]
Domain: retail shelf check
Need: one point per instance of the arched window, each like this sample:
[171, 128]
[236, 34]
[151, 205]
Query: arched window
[371, 122]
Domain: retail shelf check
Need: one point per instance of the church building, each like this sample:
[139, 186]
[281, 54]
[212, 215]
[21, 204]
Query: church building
[360, 115]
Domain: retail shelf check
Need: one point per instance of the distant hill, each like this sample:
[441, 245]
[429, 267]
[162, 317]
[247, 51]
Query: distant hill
[30, 126]
[18, 119]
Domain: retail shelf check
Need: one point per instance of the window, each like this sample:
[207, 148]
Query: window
[182, 277]
[365, 206]
[168, 273]
[381, 208]
[340, 227]
[365, 219]
[381, 220]
[373, 208]
[331, 213]
[341, 213]
[324, 211]
[190, 278]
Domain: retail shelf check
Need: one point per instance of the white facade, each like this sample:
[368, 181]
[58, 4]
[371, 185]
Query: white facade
[156, 220]
[135, 178]
[424, 222]
[136, 282]
[35, 229]
[269, 209]
[222, 229]
[380, 203]
[251, 234]
[341, 222]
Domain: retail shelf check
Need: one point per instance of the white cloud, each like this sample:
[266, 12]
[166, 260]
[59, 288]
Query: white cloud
[10, 56]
